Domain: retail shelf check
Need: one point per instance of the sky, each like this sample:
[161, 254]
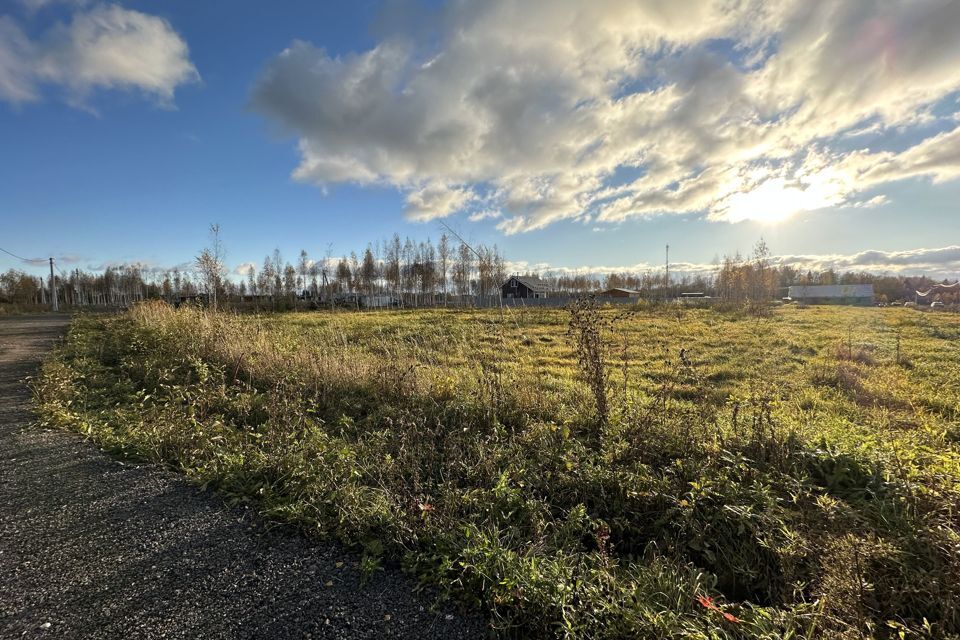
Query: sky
[576, 136]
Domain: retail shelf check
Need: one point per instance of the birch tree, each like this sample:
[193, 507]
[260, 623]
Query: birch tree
[210, 265]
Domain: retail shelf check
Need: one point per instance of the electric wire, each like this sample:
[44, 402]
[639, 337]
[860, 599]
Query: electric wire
[10, 253]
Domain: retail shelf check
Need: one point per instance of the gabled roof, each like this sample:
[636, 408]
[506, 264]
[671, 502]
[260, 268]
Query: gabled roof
[531, 282]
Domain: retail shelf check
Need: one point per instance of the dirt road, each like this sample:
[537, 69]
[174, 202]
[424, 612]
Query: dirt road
[94, 548]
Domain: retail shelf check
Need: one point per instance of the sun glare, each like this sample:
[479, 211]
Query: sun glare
[774, 201]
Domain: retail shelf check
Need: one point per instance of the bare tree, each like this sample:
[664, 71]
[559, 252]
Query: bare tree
[210, 265]
[344, 275]
[303, 268]
[445, 253]
[167, 287]
[463, 269]
[368, 271]
[252, 280]
[392, 273]
[265, 279]
[428, 271]
[406, 271]
[289, 281]
[325, 273]
[314, 275]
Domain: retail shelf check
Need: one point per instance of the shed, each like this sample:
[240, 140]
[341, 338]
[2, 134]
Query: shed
[620, 292]
[851, 294]
[524, 287]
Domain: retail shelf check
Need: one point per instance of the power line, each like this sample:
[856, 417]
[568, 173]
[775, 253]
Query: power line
[10, 253]
[53, 281]
[447, 227]
[34, 261]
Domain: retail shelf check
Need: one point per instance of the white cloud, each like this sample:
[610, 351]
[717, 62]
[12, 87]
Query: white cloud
[485, 214]
[243, 268]
[32, 6]
[723, 108]
[435, 201]
[941, 262]
[875, 201]
[146, 267]
[104, 47]
[16, 51]
[937, 157]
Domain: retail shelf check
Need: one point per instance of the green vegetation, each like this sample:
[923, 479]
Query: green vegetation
[658, 473]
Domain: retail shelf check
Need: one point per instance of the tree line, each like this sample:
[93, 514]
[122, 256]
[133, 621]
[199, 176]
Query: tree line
[408, 272]
[115, 286]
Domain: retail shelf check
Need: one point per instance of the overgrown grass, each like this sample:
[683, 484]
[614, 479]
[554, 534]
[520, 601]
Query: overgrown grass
[795, 475]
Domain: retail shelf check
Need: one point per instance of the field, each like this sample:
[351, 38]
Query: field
[656, 472]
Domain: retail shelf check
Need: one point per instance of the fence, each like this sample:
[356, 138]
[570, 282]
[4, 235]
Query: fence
[557, 301]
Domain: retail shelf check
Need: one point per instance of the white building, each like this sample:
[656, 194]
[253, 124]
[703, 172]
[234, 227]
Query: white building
[860, 294]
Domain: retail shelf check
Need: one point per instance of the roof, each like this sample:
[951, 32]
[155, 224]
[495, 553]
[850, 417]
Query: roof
[831, 291]
[623, 289]
[531, 282]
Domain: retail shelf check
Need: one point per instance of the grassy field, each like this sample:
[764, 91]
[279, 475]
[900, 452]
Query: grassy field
[659, 472]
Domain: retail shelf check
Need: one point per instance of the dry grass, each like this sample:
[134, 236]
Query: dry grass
[749, 460]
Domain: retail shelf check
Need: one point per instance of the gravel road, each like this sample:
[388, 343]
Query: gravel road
[94, 548]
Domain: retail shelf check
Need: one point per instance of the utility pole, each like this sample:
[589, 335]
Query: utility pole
[666, 280]
[53, 288]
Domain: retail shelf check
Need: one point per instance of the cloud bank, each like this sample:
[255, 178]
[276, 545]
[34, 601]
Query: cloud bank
[936, 263]
[547, 110]
[103, 47]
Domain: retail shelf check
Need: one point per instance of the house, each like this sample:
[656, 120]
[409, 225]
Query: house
[524, 287]
[620, 292]
[851, 294]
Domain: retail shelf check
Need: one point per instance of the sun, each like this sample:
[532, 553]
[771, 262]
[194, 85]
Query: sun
[775, 201]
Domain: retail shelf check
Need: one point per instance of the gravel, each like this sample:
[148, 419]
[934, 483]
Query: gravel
[92, 547]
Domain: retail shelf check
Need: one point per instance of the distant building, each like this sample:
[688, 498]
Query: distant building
[356, 300]
[196, 299]
[524, 287]
[694, 298]
[379, 301]
[852, 294]
[620, 292]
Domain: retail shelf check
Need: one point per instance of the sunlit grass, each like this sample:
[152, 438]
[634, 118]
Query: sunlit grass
[802, 468]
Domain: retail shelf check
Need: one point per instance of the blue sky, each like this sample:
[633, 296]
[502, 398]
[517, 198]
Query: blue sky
[382, 119]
